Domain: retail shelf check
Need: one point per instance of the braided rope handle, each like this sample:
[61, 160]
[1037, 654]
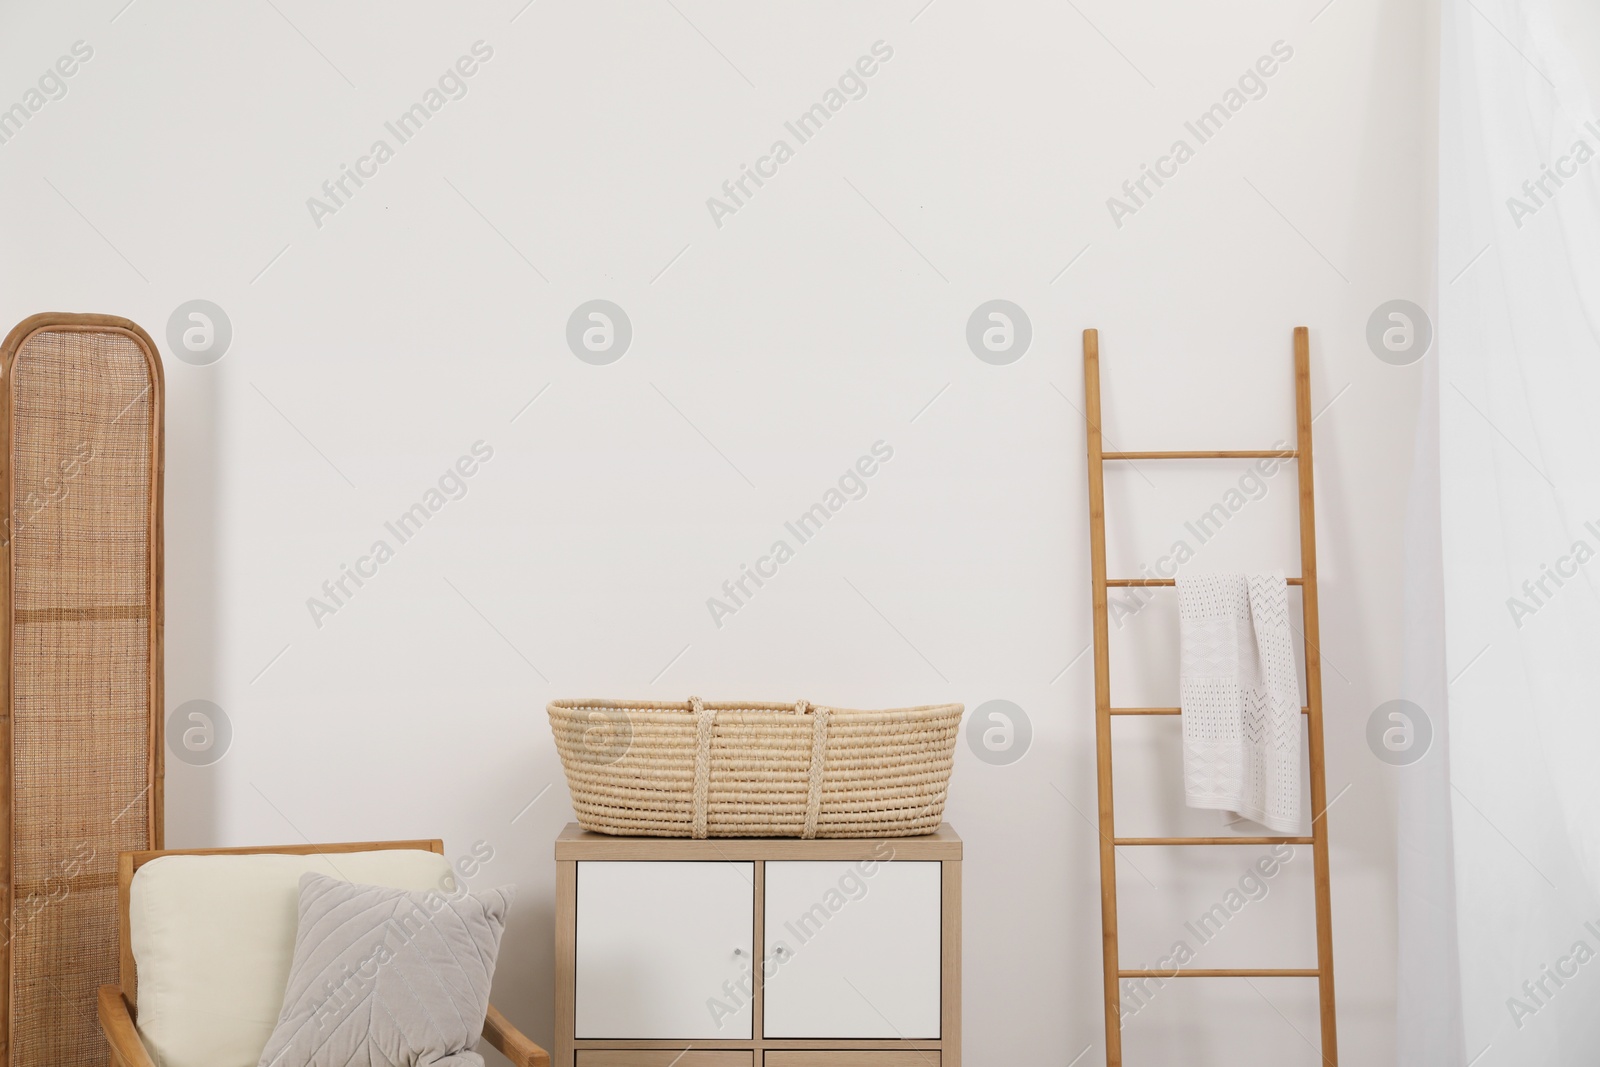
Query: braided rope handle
[819, 745]
[705, 721]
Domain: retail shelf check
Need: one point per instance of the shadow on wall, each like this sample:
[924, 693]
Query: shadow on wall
[193, 582]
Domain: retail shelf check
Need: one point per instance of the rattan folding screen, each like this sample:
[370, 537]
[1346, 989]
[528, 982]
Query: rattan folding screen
[80, 666]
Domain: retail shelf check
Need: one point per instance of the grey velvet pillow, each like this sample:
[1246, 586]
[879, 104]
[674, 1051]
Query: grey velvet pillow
[387, 977]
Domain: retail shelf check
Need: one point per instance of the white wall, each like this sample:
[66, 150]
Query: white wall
[767, 356]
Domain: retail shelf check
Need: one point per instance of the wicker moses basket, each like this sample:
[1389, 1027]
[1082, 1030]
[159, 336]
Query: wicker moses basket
[755, 770]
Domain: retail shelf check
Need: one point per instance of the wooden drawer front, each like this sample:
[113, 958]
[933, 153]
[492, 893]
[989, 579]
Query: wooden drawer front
[606, 1057]
[853, 950]
[917, 1058]
[661, 944]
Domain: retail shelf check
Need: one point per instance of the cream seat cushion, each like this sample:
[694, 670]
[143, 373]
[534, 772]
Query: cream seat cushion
[213, 941]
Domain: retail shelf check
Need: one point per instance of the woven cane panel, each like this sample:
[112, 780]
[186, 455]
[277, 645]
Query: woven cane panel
[81, 447]
[51, 1007]
[82, 463]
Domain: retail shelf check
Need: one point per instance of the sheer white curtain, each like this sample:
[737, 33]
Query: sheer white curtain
[1500, 836]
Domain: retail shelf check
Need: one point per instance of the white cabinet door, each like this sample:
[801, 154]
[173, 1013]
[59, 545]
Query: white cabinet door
[664, 950]
[852, 949]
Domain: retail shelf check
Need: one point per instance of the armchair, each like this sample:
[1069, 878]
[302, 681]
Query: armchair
[269, 875]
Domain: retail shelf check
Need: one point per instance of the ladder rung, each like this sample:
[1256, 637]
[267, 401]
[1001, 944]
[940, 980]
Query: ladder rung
[1124, 583]
[1170, 711]
[1231, 972]
[1286, 453]
[1213, 841]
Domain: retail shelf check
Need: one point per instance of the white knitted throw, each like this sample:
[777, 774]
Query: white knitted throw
[1240, 695]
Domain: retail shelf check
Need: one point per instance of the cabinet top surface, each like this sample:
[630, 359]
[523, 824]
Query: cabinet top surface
[575, 843]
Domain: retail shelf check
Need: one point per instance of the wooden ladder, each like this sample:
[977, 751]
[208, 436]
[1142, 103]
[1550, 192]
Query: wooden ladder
[1307, 581]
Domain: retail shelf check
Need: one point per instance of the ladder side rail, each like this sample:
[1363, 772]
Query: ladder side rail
[1102, 698]
[1313, 656]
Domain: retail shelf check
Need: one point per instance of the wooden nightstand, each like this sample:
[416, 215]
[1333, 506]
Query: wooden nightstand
[859, 951]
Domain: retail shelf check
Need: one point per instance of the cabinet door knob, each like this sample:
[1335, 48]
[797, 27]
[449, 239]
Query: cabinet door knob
[738, 952]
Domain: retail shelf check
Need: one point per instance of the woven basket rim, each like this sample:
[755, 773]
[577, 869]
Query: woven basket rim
[556, 706]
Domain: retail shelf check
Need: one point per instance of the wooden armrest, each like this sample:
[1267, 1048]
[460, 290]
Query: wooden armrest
[513, 1043]
[117, 1024]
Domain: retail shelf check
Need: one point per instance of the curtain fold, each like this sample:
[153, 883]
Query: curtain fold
[1500, 823]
